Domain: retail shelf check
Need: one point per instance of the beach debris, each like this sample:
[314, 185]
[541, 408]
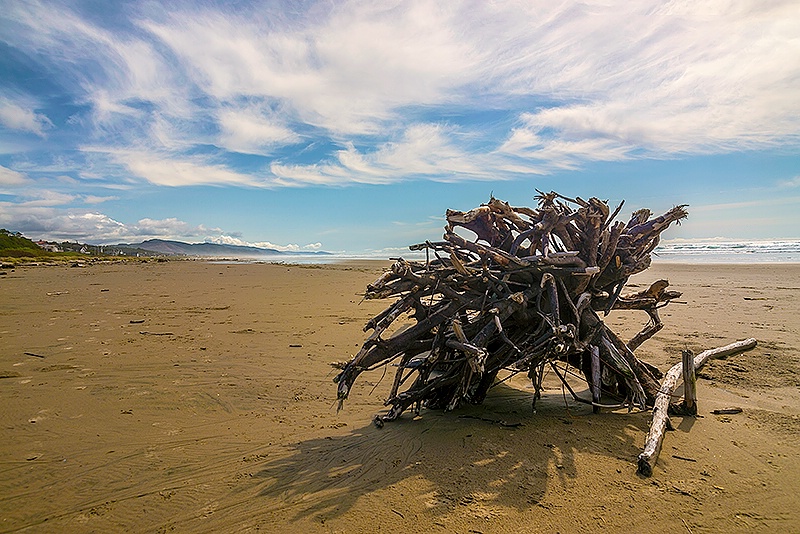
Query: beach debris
[498, 422]
[518, 289]
[662, 407]
[727, 411]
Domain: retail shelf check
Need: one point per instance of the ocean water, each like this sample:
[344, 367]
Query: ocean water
[778, 251]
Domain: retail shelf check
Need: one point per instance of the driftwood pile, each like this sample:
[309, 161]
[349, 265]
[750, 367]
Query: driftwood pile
[524, 291]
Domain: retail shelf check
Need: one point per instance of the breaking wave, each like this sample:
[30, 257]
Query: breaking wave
[777, 251]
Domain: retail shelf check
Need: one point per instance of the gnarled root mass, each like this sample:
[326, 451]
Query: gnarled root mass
[526, 290]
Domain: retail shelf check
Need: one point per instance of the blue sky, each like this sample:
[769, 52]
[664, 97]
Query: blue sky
[352, 126]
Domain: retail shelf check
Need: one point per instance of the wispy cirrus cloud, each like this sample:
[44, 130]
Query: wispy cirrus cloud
[29, 197]
[729, 206]
[346, 70]
[23, 117]
[12, 178]
[94, 199]
[253, 131]
[790, 183]
[164, 169]
[420, 151]
[586, 81]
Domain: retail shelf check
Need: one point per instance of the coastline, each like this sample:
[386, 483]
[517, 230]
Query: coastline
[198, 396]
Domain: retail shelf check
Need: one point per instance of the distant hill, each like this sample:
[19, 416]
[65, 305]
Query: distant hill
[178, 248]
[14, 244]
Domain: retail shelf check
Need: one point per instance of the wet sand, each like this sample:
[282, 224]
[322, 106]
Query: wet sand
[197, 397]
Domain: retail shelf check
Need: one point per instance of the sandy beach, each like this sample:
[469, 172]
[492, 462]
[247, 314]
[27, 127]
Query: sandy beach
[188, 396]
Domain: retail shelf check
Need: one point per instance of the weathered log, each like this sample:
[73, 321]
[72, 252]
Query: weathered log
[655, 437]
[689, 406]
[594, 354]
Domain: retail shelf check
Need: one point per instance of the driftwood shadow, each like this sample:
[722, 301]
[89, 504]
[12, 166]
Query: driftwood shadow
[454, 454]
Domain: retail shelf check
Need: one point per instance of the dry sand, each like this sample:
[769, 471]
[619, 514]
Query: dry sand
[197, 397]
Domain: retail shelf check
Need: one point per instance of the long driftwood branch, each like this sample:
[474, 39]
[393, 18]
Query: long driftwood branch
[660, 423]
[515, 289]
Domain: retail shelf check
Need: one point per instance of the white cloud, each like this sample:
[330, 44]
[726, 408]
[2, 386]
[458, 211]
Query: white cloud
[559, 153]
[20, 117]
[427, 149]
[250, 131]
[346, 72]
[12, 178]
[51, 223]
[292, 247]
[94, 199]
[422, 151]
[790, 183]
[167, 170]
[28, 197]
[33, 198]
[46, 221]
[685, 77]
[172, 227]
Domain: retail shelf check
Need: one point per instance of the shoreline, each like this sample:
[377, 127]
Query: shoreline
[705, 259]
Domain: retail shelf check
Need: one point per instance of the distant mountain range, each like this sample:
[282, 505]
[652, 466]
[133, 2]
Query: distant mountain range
[178, 248]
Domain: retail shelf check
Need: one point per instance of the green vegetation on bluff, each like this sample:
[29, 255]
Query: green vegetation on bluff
[15, 245]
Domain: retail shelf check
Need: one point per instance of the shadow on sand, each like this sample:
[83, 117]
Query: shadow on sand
[460, 456]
